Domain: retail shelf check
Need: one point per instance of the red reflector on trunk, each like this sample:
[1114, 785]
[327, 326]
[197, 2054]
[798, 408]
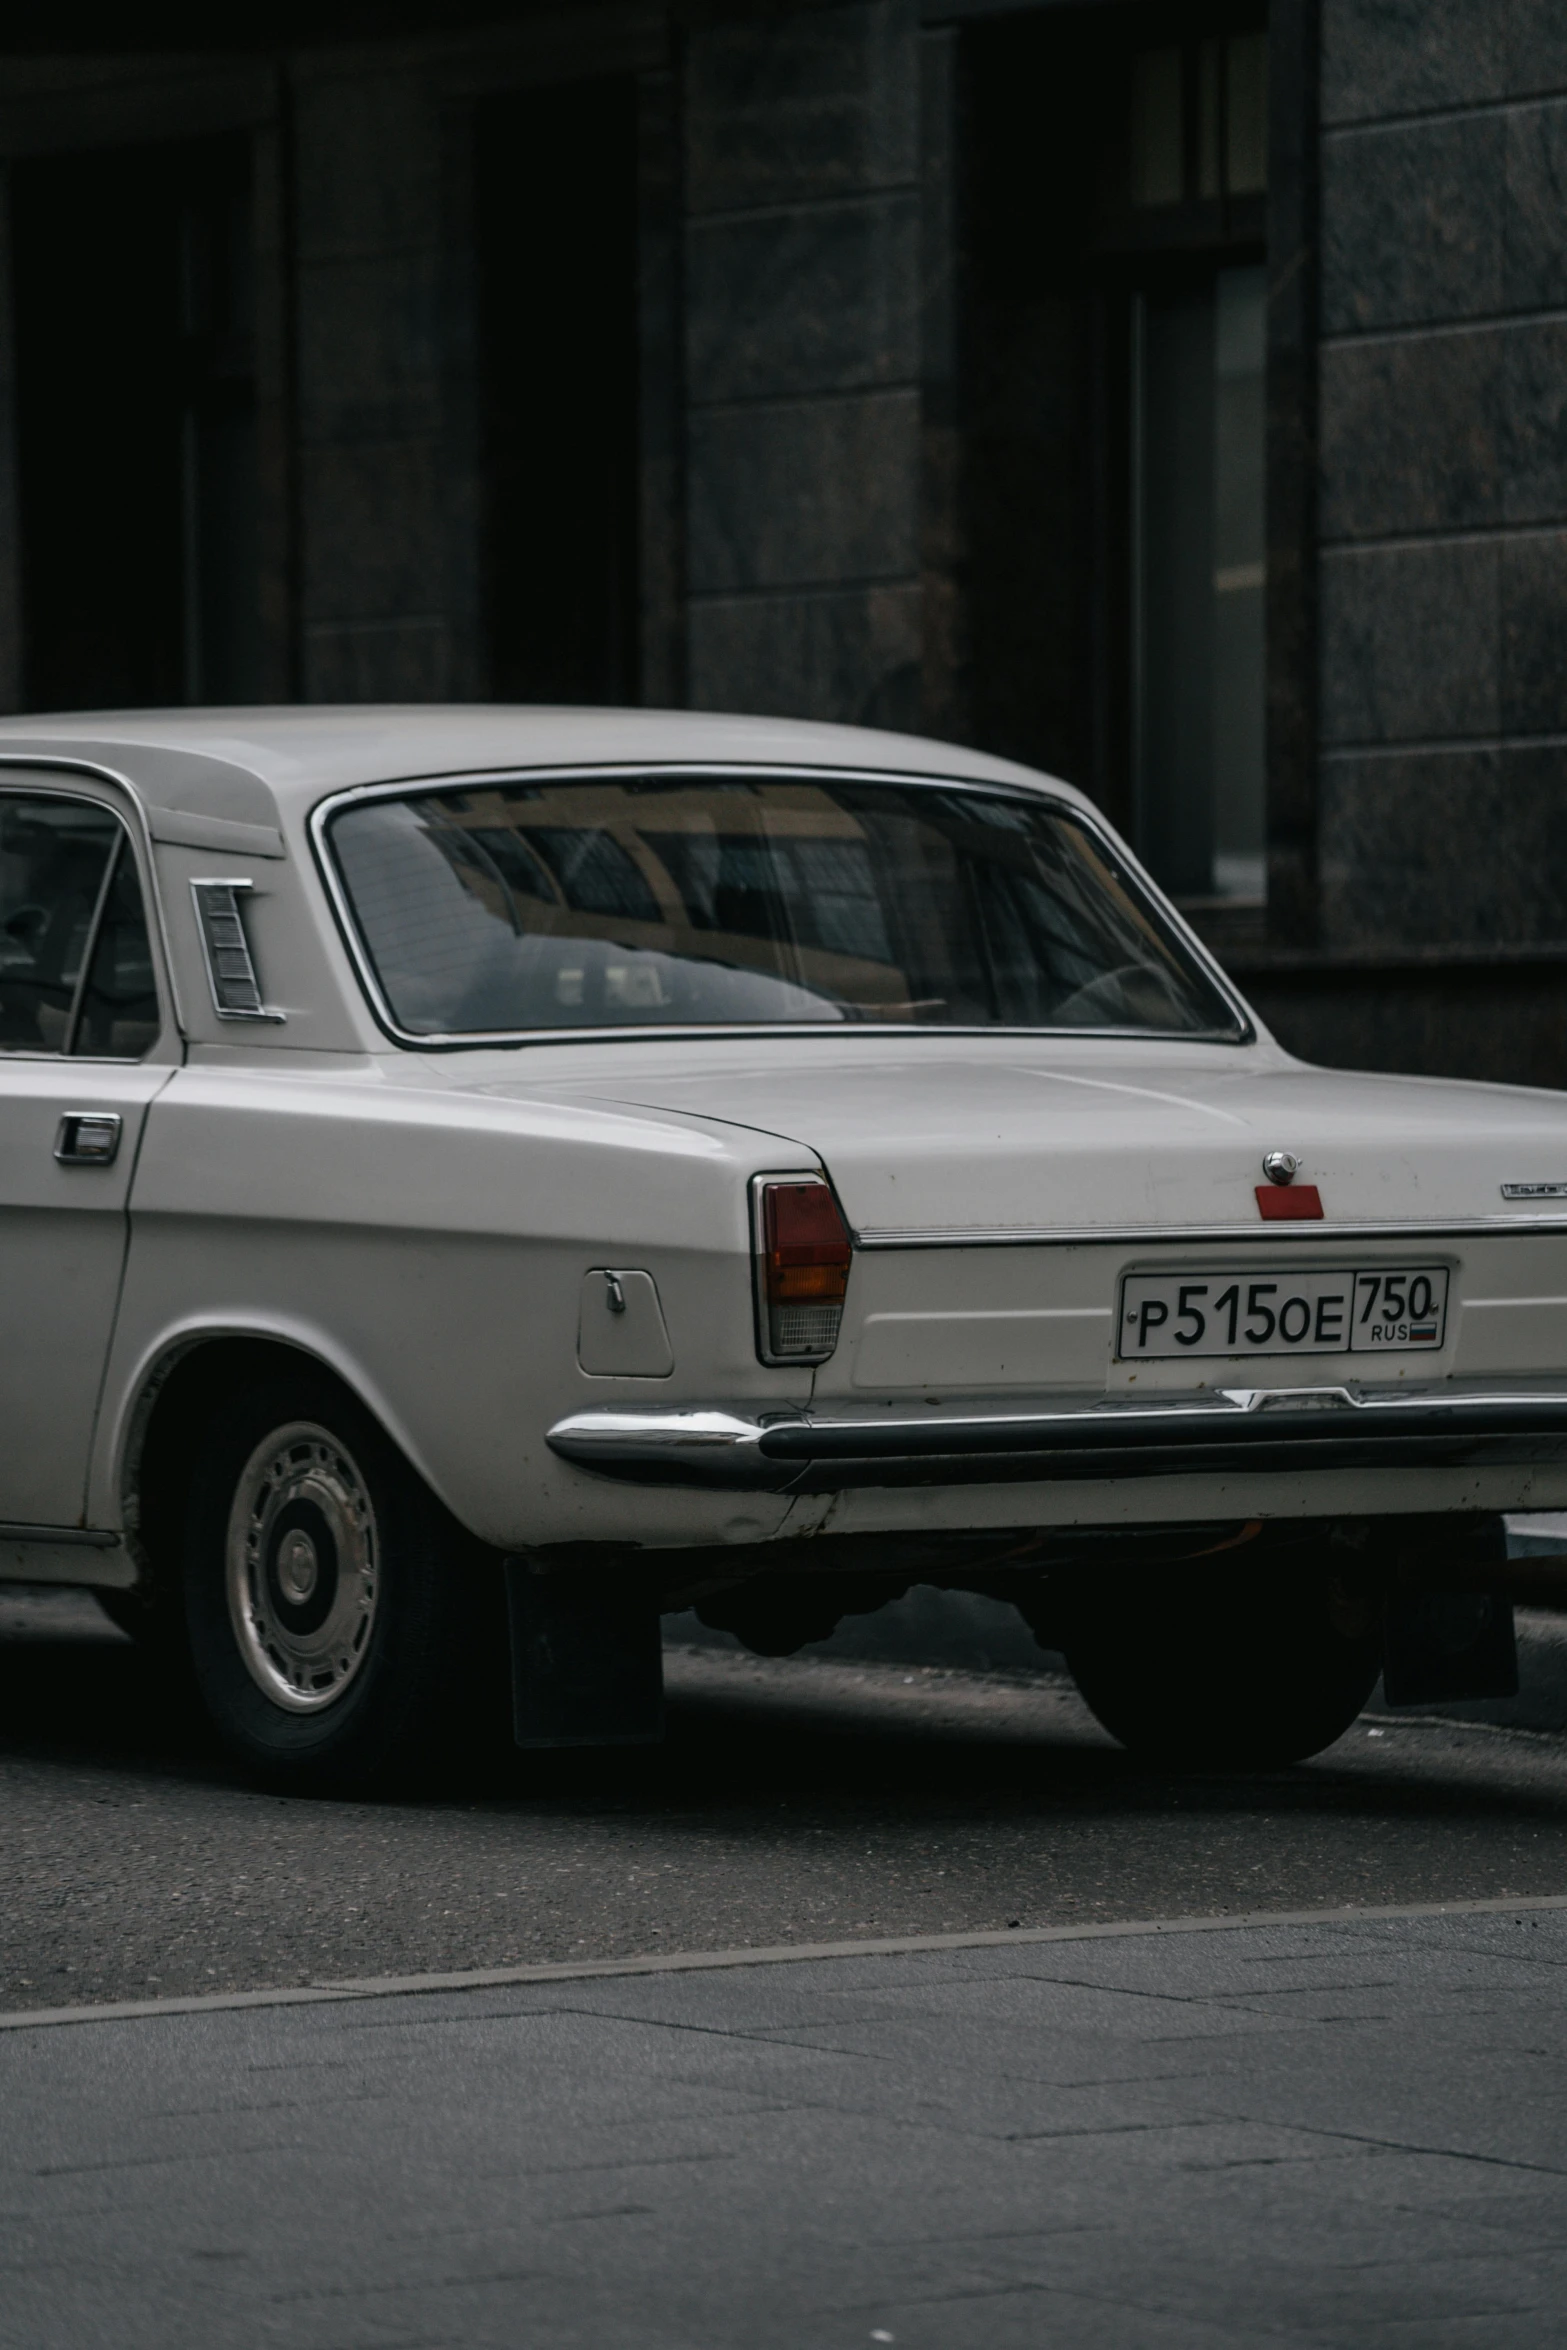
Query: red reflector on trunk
[1289, 1203]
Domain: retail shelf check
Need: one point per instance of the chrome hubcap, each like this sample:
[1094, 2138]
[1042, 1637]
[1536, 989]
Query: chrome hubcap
[303, 1568]
[297, 1566]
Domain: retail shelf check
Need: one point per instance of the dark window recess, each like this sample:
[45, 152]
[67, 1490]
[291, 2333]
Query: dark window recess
[1197, 583]
[557, 245]
[136, 427]
[1114, 420]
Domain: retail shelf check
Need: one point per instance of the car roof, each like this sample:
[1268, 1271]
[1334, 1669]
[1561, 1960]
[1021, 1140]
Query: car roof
[209, 762]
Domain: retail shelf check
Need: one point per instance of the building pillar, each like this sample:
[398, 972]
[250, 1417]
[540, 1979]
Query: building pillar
[802, 364]
[376, 618]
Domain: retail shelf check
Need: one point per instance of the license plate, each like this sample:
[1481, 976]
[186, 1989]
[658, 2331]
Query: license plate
[1278, 1312]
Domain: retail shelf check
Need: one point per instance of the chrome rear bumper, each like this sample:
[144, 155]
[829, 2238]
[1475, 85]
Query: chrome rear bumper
[828, 1448]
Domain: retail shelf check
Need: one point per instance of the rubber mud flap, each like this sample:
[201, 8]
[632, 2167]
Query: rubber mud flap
[587, 1659]
[1442, 1645]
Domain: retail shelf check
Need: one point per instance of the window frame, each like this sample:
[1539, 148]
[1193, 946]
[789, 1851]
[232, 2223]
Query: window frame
[125, 844]
[1242, 1032]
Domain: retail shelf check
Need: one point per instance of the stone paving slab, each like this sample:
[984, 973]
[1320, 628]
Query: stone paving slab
[1340, 2133]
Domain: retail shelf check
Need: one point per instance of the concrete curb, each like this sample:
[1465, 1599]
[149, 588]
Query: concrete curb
[690, 1962]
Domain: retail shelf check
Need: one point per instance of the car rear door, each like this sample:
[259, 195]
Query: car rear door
[85, 1044]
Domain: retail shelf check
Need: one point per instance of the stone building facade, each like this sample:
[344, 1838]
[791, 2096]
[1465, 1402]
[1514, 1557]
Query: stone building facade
[1172, 393]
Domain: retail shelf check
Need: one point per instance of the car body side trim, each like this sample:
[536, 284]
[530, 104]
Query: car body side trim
[80, 1537]
[879, 1237]
[819, 1450]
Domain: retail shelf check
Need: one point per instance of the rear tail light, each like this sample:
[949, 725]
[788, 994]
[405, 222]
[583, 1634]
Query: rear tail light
[802, 1268]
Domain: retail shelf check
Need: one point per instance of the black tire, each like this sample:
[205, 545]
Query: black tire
[331, 1602]
[1246, 1671]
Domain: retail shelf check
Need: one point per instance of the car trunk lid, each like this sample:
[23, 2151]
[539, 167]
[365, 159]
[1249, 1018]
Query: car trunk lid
[988, 1138]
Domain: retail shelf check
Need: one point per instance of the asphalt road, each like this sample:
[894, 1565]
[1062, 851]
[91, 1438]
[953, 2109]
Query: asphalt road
[1348, 2134]
[796, 1801]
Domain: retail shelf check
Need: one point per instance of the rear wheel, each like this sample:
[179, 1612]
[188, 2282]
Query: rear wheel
[1233, 1672]
[327, 1594]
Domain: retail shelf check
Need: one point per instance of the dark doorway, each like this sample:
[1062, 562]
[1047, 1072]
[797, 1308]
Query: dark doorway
[557, 200]
[136, 427]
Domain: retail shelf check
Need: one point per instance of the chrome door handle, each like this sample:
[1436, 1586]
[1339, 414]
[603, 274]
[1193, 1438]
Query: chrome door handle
[88, 1138]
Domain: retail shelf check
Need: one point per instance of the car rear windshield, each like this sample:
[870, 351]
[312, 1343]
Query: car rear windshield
[691, 900]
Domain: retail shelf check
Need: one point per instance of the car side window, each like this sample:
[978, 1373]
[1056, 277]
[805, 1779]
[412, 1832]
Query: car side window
[75, 958]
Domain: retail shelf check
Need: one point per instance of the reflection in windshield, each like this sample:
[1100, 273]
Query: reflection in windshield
[690, 900]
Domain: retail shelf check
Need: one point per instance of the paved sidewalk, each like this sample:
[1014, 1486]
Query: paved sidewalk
[1326, 2134]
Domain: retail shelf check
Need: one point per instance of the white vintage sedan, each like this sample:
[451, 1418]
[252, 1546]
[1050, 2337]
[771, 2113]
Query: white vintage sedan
[474, 1179]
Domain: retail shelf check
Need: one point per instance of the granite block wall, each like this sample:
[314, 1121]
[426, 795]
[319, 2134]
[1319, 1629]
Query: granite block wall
[808, 206]
[1443, 388]
[801, 357]
[1498, 1021]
